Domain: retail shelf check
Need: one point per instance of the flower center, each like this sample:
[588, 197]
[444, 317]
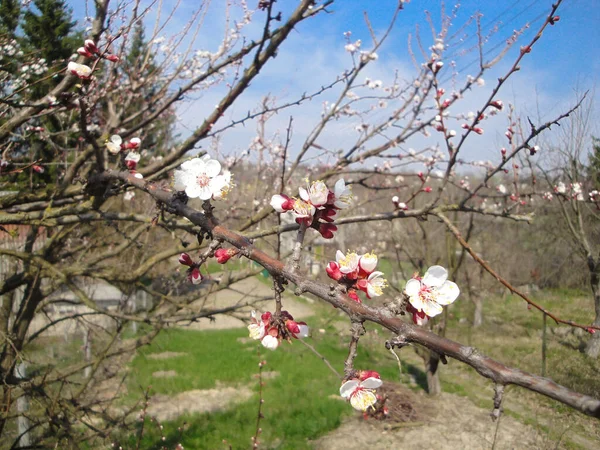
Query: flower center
[203, 180]
[348, 260]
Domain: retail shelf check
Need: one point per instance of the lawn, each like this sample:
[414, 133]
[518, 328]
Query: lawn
[300, 403]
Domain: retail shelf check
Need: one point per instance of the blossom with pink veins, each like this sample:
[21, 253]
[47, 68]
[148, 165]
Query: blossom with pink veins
[342, 194]
[431, 292]
[79, 70]
[361, 393]
[200, 178]
[316, 194]
[373, 285]
[348, 263]
[303, 212]
[258, 327]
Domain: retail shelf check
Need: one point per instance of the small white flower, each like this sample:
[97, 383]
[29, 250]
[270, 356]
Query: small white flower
[360, 393]
[316, 194]
[502, 189]
[431, 292]
[114, 145]
[343, 194]
[348, 263]
[80, 70]
[199, 178]
[270, 342]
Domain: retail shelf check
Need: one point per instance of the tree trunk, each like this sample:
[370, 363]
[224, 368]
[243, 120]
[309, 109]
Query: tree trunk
[433, 378]
[478, 313]
[592, 348]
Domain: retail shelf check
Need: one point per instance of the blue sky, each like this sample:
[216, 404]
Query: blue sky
[565, 61]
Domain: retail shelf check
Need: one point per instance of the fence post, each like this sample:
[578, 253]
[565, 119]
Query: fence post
[23, 423]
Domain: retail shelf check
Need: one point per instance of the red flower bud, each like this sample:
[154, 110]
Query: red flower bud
[131, 165]
[364, 374]
[38, 169]
[427, 189]
[185, 259]
[112, 58]
[224, 254]
[327, 230]
[90, 46]
[266, 317]
[194, 276]
[84, 52]
[292, 326]
[333, 270]
[497, 104]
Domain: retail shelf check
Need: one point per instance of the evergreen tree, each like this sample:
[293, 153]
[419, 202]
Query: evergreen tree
[10, 12]
[50, 33]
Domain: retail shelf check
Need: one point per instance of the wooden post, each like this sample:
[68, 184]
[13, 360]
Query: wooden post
[23, 423]
[544, 347]
[87, 350]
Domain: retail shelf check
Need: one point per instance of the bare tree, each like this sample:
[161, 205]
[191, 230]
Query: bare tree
[83, 228]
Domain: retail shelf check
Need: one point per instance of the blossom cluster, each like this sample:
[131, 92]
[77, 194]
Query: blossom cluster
[193, 273]
[270, 332]
[427, 295]
[201, 178]
[357, 272]
[317, 206]
[360, 391]
[115, 145]
[89, 50]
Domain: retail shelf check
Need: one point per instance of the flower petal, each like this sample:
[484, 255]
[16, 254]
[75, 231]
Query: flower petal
[371, 383]
[435, 276]
[213, 167]
[348, 388]
[412, 288]
[448, 292]
[431, 308]
[303, 194]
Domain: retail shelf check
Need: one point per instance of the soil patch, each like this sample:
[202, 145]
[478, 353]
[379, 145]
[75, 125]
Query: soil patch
[165, 355]
[419, 422]
[164, 374]
[169, 407]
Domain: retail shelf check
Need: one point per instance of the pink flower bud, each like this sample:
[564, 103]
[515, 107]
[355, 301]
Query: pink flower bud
[195, 276]
[503, 151]
[591, 330]
[282, 203]
[38, 169]
[292, 326]
[478, 130]
[83, 52]
[112, 58]
[90, 46]
[427, 189]
[327, 230]
[333, 270]
[497, 104]
[224, 254]
[131, 165]
[364, 374]
[266, 317]
[185, 259]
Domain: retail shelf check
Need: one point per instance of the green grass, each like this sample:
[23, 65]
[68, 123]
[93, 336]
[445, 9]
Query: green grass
[297, 403]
